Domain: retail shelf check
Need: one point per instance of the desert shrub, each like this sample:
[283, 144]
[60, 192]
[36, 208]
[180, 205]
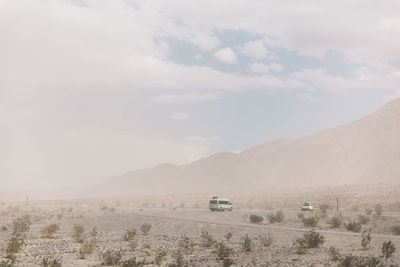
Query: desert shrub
[145, 228]
[178, 258]
[334, 253]
[335, 221]
[278, 217]
[266, 240]
[223, 251]
[87, 247]
[310, 221]
[255, 218]
[132, 263]
[6, 263]
[60, 216]
[21, 225]
[14, 246]
[147, 245]
[300, 215]
[129, 234]
[388, 249]
[228, 236]
[184, 243]
[50, 230]
[207, 239]
[310, 239]
[396, 229]
[160, 256]
[46, 262]
[4, 228]
[365, 238]
[359, 261]
[227, 262]
[78, 233]
[112, 257]
[353, 226]
[368, 211]
[246, 243]
[378, 210]
[362, 219]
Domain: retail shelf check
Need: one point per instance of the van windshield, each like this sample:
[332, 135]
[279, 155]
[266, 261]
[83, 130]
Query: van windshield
[213, 202]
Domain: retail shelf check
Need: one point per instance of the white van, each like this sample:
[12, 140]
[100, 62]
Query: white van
[221, 204]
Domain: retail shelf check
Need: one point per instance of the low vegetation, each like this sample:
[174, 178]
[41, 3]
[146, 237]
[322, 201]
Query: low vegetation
[309, 240]
[310, 221]
[246, 243]
[145, 228]
[255, 218]
[278, 217]
[335, 221]
[388, 249]
[112, 257]
[353, 226]
[129, 234]
[50, 230]
[46, 262]
[366, 239]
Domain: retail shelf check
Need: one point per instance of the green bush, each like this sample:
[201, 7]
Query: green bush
[396, 229]
[334, 253]
[310, 221]
[223, 251]
[388, 249]
[178, 257]
[278, 217]
[207, 239]
[14, 246]
[255, 218]
[145, 228]
[246, 243]
[228, 236]
[6, 263]
[112, 257]
[129, 234]
[353, 226]
[359, 261]
[78, 233]
[132, 263]
[46, 262]
[184, 243]
[311, 239]
[227, 262]
[266, 240]
[366, 238]
[50, 230]
[21, 225]
[335, 221]
[160, 256]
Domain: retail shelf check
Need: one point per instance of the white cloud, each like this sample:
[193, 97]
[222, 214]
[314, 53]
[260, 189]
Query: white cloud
[262, 68]
[226, 55]
[184, 98]
[179, 116]
[255, 49]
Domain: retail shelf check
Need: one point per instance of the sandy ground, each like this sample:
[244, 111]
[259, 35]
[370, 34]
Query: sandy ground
[174, 217]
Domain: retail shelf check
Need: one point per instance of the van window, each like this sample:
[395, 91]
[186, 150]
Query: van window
[213, 202]
[223, 202]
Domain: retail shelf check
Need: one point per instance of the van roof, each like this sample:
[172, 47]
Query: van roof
[220, 198]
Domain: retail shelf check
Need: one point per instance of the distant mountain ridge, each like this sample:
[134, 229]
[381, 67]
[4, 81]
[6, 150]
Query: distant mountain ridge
[364, 151]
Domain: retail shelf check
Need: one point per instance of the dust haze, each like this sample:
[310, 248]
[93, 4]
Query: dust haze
[171, 133]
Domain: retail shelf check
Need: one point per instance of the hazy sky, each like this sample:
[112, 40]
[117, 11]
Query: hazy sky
[92, 89]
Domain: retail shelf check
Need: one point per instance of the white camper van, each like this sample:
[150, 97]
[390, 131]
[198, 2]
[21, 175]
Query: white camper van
[221, 204]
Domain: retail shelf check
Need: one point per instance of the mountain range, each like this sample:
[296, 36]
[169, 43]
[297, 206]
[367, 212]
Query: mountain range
[364, 151]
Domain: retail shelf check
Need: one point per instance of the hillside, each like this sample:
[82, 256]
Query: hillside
[363, 151]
